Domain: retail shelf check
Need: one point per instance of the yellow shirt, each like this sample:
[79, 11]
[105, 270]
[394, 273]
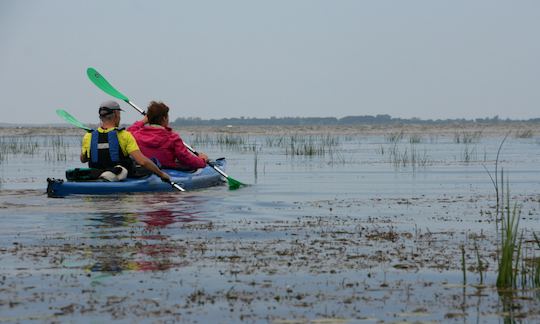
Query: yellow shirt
[125, 140]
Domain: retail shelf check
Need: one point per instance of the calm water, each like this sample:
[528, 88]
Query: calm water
[297, 244]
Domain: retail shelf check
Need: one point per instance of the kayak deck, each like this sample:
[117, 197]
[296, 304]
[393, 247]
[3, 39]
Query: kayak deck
[201, 178]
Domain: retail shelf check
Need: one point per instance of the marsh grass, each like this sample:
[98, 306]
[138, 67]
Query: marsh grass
[526, 133]
[226, 141]
[415, 138]
[394, 137]
[467, 137]
[480, 263]
[511, 242]
[58, 149]
[535, 277]
[401, 157]
[24, 145]
[463, 264]
[229, 140]
[311, 145]
[469, 154]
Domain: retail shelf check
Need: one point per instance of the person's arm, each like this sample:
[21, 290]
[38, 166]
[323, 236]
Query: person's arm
[138, 125]
[148, 164]
[85, 147]
[203, 156]
[186, 158]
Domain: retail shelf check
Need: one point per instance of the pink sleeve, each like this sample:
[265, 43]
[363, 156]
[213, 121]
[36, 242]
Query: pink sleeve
[136, 126]
[185, 157]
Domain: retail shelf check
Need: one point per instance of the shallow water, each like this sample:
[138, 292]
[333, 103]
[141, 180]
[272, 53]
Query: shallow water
[351, 235]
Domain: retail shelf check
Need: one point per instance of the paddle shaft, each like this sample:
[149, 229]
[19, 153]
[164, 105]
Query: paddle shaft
[177, 186]
[136, 107]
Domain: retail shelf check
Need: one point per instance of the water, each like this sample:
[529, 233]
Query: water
[370, 230]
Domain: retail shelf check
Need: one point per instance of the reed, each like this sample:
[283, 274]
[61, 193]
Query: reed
[24, 145]
[469, 154]
[58, 149]
[463, 265]
[526, 133]
[536, 265]
[415, 138]
[405, 156]
[311, 145]
[255, 162]
[229, 141]
[510, 251]
[467, 137]
[480, 264]
[394, 137]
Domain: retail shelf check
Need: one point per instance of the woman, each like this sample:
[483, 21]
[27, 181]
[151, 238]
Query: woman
[157, 140]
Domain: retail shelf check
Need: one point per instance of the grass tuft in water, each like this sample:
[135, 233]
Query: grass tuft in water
[526, 133]
[510, 251]
[467, 137]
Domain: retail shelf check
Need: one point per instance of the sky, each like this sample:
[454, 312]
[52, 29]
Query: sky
[430, 59]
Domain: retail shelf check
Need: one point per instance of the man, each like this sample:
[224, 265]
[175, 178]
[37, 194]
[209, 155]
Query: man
[110, 148]
[157, 140]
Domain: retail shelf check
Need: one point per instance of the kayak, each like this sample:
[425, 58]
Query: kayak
[201, 178]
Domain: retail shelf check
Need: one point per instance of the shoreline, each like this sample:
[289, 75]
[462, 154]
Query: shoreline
[361, 129]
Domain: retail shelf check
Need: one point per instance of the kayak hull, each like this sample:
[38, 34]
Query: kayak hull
[201, 178]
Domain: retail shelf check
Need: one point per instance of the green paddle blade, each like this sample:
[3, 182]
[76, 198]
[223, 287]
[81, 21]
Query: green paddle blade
[104, 85]
[70, 119]
[234, 184]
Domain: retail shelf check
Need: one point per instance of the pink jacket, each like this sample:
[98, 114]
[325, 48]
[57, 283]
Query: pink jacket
[165, 145]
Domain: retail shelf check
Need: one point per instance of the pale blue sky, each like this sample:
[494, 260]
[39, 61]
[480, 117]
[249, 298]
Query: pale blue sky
[215, 59]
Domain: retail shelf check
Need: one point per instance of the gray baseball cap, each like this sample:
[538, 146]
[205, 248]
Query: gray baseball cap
[108, 107]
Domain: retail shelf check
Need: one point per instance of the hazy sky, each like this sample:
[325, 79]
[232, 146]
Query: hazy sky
[215, 59]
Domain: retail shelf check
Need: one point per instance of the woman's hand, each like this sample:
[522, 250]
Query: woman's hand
[204, 157]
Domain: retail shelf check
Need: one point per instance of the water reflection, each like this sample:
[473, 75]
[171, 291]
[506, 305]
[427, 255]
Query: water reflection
[139, 241]
[514, 306]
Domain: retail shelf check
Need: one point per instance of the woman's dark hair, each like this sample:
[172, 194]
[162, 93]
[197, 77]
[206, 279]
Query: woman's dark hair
[157, 111]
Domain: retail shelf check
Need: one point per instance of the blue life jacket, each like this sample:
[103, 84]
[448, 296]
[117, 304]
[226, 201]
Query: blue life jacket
[105, 151]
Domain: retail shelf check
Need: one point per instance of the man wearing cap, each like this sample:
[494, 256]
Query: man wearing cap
[109, 148]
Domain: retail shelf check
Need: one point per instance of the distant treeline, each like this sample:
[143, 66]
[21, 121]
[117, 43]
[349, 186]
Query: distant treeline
[348, 120]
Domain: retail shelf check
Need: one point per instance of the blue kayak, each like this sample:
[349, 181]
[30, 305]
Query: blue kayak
[201, 178]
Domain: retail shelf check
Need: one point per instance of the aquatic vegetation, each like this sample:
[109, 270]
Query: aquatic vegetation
[59, 148]
[311, 145]
[535, 266]
[255, 161]
[526, 133]
[480, 263]
[407, 156]
[467, 137]
[25, 145]
[510, 251]
[463, 265]
[395, 137]
[227, 141]
[469, 154]
[415, 138]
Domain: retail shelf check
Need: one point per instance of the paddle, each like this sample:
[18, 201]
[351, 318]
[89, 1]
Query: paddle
[73, 121]
[104, 85]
